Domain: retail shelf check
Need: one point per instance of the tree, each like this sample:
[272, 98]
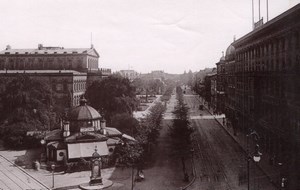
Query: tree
[125, 123]
[112, 95]
[180, 131]
[27, 105]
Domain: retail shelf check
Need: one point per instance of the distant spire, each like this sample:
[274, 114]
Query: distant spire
[233, 38]
[222, 53]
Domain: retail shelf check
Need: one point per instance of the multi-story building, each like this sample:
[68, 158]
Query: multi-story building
[211, 89]
[220, 86]
[262, 88]
[130, 74]
[68, 71]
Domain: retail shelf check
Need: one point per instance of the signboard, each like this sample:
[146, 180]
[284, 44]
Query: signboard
[86, 129]
[82, 150]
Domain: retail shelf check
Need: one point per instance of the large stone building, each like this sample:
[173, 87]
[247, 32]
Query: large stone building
[262, 89]
[130, 74]
[67, 71]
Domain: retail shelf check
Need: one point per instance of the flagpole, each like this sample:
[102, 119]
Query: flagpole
[258, 9]
[252, 14]
[267, 10]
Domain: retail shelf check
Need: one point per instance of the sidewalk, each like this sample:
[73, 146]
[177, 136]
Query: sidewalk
[272, 171]
[142, 114]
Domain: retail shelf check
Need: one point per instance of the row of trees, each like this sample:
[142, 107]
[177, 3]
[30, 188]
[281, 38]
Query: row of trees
[180, 130]
[145, 132]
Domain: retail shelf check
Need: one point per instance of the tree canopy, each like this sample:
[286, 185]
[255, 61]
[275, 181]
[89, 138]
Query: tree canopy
[26, 105]
[112, 95]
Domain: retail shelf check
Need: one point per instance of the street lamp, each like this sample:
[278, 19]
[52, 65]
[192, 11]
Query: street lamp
[256, 155]
[53, 168]
[192, 152]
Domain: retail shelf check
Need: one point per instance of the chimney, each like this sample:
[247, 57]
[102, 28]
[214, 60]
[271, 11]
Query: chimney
[8, 47]
[40, 46]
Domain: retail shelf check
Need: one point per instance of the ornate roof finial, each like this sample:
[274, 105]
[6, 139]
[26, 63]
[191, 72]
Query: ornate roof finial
[83, 101]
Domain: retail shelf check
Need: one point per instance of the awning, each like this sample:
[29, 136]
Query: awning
[82, 150]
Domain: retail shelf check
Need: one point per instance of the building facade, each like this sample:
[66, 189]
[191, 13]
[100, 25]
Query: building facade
[262, 90]
[49, 58]
[130, 74]
[68, 70]
[220, 85]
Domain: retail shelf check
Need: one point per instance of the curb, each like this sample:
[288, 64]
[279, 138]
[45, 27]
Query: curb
[20, 168]
[194, 176]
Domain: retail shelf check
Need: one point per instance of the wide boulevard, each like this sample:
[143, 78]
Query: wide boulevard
[220, 162]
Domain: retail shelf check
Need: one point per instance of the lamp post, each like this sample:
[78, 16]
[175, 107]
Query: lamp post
[192, 152]
[53, 168]
[256, 156]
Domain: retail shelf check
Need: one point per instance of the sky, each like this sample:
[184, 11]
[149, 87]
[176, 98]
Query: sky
[143, 35]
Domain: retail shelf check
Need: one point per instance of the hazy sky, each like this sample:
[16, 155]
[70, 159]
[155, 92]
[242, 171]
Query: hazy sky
[144, 35]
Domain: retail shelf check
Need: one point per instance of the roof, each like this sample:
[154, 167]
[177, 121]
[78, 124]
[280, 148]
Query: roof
[83, 112]
[53, 135]
[57, 145]
[112, 131]
[230, 50]
[57, 50]
[40, 71]
[113, 141]
[291, 15]
[87, 137]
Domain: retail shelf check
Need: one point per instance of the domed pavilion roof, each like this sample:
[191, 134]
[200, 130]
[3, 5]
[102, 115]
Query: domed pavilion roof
[230, 50]
[223, 57]
[83, 112]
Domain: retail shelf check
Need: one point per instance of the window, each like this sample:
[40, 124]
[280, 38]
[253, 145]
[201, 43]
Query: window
[65, 86]
[59, 87]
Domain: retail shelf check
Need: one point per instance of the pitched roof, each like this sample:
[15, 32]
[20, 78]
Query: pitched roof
[41, 71]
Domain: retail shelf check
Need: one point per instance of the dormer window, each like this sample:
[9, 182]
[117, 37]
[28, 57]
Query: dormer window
[45, 52]
[65, 52]
[74, 52]
[26, 52]
[55, 52]
[17, 53]
[7, 53]
[36, 52]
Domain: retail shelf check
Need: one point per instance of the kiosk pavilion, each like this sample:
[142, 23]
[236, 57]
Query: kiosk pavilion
[83, 132]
